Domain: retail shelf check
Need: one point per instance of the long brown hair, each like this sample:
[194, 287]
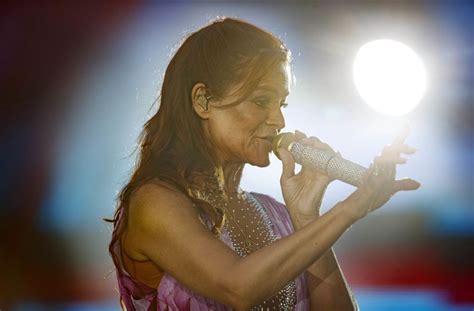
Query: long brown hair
[172, 144]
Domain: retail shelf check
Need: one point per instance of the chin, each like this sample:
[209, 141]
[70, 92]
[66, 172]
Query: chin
[261, 162]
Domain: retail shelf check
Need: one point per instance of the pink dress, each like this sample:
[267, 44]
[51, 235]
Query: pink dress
[172, 295]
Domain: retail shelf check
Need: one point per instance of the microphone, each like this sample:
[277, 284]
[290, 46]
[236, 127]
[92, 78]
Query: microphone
[325, 160]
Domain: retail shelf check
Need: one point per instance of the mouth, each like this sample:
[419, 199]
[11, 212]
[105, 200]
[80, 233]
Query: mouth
[268, 140]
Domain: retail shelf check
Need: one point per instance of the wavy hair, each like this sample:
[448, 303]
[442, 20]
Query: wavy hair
[172, 144]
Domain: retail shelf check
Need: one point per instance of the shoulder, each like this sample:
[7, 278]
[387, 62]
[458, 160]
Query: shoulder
[156, 210]
[158, 201]
[151, 194]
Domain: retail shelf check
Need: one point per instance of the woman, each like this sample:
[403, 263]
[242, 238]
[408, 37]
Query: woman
[186, 237]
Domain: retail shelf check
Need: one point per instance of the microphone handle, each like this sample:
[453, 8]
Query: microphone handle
[333, 165]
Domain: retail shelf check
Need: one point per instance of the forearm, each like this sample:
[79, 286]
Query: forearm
[327, 286]
[289, 256]
[326, 283]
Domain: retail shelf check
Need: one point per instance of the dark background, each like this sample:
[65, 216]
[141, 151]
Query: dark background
[79, 81]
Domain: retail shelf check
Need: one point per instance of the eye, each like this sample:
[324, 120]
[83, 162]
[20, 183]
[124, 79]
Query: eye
[265, 102]
[262, 101]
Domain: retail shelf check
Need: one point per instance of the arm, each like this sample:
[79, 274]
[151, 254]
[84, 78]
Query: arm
[326, 283]
[164, 227]
[303, 193]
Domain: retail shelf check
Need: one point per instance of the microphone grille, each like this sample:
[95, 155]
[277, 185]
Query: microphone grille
[283, 140]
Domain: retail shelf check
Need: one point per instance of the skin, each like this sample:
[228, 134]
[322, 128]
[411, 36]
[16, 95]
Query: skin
[176, 240]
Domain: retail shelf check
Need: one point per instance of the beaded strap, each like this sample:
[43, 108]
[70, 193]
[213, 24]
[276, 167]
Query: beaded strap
[287, 295]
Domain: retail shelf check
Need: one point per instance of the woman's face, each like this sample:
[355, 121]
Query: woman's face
[243, 133]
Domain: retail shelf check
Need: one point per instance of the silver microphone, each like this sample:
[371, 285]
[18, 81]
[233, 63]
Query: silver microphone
[326, 161]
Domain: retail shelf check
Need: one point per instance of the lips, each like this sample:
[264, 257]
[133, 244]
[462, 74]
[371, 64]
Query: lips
[268, 140]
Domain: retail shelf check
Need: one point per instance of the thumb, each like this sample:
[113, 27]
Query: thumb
[288, 163]
[406, 184]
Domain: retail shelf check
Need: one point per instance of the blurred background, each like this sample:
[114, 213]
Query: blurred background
[79, 81]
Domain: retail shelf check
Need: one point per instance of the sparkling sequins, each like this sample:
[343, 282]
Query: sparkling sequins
[246, 241]
[249, 228]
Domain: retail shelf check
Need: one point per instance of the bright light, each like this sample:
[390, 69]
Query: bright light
[389, 76]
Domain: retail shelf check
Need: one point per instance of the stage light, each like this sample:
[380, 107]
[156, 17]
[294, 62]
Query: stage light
[389, 76]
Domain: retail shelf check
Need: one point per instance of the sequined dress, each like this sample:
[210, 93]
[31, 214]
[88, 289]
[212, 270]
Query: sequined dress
[262, 221]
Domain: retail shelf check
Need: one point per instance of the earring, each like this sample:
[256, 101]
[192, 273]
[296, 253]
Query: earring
[203, 102]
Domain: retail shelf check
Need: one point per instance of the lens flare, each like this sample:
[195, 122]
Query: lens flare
[389, 76]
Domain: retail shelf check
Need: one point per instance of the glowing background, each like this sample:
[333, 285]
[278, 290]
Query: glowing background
[67, 142]
[389, 76]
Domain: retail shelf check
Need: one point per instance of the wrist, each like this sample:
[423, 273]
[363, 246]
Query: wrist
[300, 220]
[347, 212]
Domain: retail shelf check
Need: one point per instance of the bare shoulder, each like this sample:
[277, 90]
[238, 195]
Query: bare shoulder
[157, 195]
[156, 211]
[157, 203]
[164, 228]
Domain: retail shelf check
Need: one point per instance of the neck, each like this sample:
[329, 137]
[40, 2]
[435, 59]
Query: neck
[224, 179]
[232, 174]
[228, 173]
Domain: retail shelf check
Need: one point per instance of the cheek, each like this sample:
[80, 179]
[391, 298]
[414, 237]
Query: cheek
[244, 127]
[230, 132]
[234, 132]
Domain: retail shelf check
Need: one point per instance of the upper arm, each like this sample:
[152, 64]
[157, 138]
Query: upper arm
[164, 227]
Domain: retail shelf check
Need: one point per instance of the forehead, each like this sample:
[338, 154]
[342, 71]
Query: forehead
[277, 79]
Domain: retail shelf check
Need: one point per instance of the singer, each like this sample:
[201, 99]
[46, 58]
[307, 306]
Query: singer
[186, 236]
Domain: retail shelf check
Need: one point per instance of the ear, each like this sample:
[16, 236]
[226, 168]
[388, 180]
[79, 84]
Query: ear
[200, 100]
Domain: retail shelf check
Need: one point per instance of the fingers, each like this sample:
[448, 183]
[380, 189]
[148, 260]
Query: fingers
[386, 163]
[397, 149]
[389, 159]
[405, 184]
[288, 163]
[317, 143]
[373, 180]
[400, 139]
[398, 146]
[375, 191]
[312, 141]
[370, 181]
[362, 198]
[299, 135]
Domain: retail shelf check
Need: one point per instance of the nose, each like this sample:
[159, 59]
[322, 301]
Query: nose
[276, 118]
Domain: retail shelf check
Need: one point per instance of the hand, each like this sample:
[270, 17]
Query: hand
[379, 183]
[303, 191]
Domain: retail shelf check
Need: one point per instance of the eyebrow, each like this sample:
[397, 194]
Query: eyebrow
[273, 90]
